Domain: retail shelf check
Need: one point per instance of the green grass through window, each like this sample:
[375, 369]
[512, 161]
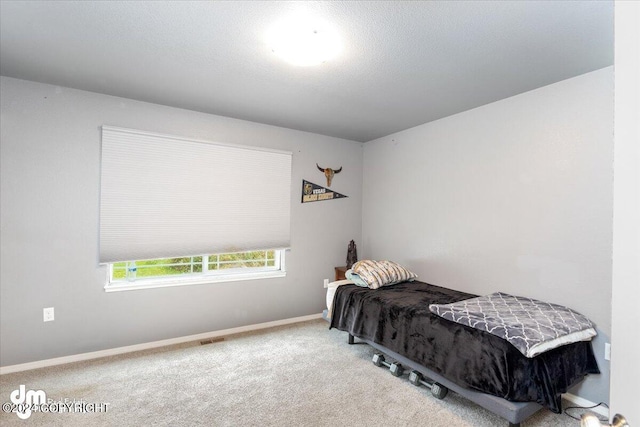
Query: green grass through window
[189, 265]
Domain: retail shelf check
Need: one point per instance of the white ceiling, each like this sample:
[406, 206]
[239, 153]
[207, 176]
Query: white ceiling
[403, 63]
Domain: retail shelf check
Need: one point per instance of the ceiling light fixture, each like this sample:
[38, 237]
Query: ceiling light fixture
[304, 41]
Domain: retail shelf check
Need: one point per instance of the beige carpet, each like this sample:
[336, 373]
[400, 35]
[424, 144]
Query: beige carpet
[298, 375]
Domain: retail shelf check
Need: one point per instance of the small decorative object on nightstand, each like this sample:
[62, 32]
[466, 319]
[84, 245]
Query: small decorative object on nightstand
[352, 254]
[340, 273]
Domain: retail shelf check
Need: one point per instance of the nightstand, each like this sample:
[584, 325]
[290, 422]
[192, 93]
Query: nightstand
[340, 273]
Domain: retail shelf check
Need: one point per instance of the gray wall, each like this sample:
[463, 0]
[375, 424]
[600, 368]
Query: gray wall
[514, 196]
[50, 166]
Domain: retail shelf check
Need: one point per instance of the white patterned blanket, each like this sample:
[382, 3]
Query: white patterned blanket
[532, 326]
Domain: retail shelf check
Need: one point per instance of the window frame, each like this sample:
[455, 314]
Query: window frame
[205, 277]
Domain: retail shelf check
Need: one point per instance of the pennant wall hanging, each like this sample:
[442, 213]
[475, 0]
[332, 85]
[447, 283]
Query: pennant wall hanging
[315, 193]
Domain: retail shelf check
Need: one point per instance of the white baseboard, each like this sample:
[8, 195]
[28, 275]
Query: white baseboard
[584, 403]
[155, 344]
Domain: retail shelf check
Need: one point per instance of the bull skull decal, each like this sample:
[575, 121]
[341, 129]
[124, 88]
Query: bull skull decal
[328, 172]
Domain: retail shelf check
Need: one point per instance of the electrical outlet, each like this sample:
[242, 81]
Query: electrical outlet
[47, 314]
[607, 351]
[326, 283]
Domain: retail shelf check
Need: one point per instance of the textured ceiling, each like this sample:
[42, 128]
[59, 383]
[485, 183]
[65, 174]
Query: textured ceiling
[403, 63]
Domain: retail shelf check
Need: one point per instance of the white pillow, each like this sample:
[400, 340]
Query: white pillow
[357, 280]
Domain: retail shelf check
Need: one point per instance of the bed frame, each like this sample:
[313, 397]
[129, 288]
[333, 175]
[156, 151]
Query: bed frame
[513, 412]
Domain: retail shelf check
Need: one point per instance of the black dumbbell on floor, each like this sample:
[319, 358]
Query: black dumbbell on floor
[437, 390]
[395, 368]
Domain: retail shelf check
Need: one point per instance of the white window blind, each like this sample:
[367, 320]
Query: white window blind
[165, 196]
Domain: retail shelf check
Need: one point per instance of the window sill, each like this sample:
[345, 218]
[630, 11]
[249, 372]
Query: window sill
[170, 282]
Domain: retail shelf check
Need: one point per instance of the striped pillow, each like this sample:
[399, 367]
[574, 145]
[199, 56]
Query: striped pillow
[382, 273]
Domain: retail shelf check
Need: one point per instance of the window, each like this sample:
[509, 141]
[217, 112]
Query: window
[196, 269]
[163, 195]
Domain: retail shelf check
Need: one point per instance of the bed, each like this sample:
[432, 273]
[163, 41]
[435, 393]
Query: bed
[476, 364]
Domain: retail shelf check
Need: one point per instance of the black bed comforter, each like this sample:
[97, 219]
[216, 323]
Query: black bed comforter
[398, 318]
